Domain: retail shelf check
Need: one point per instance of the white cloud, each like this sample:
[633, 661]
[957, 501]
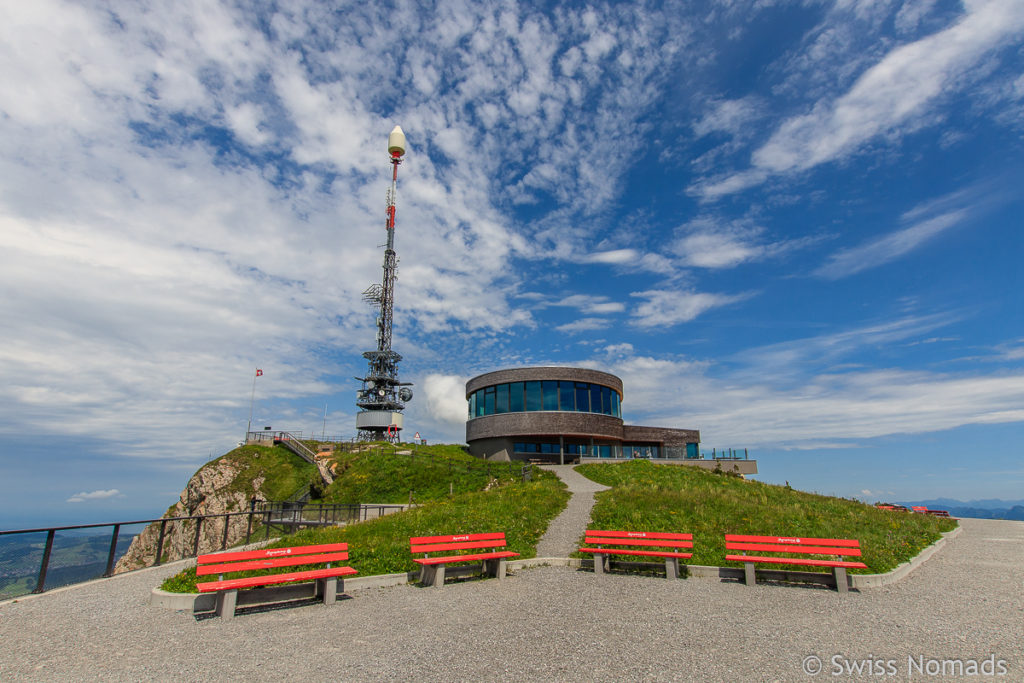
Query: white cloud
[739, 409]
[616, 256]
[715, 250]
[887, 248]
[145, 273]
[590, 303]
[892, 93]
[446, 397]
[665, 308]
[730, 116]
[783, 362]
[94, 495]
[911, 14]
[623, 349]
[584, 325]
[246, 122]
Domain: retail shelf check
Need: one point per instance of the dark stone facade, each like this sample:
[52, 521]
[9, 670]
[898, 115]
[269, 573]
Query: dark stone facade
[667, 437]
[582, 425]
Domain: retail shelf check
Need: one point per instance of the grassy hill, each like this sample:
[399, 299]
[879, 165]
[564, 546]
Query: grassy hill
[644, 496]
[651, 497]
[282, 472]
[381, 546]
[381, 473]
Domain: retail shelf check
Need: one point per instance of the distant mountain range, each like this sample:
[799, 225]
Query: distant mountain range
[990, 508]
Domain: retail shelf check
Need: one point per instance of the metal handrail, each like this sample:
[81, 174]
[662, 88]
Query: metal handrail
[326, 514]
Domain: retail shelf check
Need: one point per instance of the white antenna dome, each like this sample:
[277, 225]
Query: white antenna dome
[396, 142]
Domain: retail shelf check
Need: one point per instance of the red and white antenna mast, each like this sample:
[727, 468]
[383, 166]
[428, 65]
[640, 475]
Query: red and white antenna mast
[383, 397]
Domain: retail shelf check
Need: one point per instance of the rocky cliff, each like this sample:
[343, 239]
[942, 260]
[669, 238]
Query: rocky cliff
[228, 484]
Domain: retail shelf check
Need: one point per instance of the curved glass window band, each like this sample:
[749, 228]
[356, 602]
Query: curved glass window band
[546, 395]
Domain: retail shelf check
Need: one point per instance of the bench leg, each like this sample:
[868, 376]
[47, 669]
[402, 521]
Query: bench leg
[840, 573]
[748, 571]
[598, 563]
[226, 604]
[329, 589]
[671, 567]
[438, 576]
[495, 568]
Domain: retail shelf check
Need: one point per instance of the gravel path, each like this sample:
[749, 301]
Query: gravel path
[544, 624]
[564, 532]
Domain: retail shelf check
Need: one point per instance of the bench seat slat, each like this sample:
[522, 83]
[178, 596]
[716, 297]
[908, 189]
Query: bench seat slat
[645, 553]
[638, 541]
[452, 538]
[792, 540]
[465, 558]
[291, 561]
[797, 561]
[272, 552]
[465, 545]
[252, 581]
[640, 534]
[804, 549]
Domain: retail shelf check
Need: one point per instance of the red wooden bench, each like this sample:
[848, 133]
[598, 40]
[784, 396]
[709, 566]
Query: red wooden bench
[327, 580]
[833, 548]
[432, 567]
[642, 544]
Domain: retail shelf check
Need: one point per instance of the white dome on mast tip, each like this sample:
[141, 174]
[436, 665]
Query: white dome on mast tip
[396, 142]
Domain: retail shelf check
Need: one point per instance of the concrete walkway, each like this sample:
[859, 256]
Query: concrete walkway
[564, 532]
[550, 624]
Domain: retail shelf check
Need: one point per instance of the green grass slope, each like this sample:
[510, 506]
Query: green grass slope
[673, 498]
[283, 473]
[381, 546]
[383, 474]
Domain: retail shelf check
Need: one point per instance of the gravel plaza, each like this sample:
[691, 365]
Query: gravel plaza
[550, 623]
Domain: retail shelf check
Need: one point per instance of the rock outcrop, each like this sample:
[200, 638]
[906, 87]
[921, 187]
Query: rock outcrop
[215, 489]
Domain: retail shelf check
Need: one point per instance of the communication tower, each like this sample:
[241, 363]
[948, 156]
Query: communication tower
[382, 396]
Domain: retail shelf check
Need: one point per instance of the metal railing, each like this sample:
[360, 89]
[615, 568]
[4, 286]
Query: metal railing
[294, 443]
[286, 516]
[727, 454]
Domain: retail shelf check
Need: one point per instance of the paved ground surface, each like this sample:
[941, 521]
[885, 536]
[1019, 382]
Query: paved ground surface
[550, 623]
[563, 534]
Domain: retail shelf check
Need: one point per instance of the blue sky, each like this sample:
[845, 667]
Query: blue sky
[793, 226]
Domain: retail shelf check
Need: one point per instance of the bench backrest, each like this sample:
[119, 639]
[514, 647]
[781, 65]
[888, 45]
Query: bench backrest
[792, 544]
[226, 563]
[456, 542]
[919, 508]
[658, 539]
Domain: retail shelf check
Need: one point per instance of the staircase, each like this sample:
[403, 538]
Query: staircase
[289, 441]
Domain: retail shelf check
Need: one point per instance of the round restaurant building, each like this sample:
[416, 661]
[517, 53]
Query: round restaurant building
[561, 415]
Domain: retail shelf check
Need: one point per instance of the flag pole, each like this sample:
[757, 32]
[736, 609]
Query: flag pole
[252, 402]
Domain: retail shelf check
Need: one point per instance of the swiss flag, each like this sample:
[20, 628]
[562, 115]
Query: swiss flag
[259, 373]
